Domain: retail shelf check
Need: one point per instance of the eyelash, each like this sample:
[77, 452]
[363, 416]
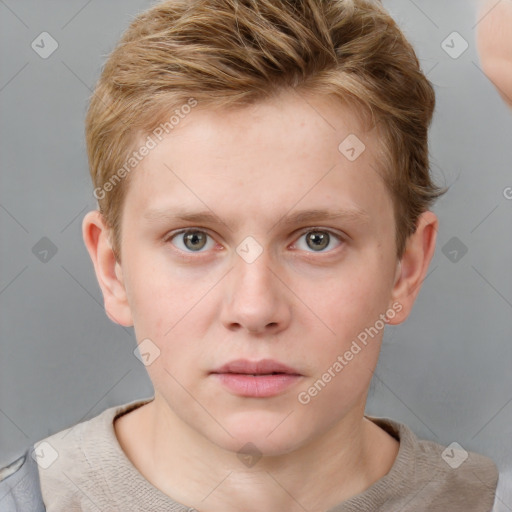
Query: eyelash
[192, 254]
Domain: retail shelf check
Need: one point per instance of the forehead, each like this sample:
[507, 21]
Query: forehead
[261, 157]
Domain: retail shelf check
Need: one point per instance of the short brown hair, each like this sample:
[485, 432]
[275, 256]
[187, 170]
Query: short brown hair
[229, 53]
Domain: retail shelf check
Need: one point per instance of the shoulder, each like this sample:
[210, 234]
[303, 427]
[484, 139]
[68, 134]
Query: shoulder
[446, 477]
[458, 467]
[74, 463]
[19, 485]
[63, 470]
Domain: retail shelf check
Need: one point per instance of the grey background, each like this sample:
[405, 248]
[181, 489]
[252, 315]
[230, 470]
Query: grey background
[446, 372]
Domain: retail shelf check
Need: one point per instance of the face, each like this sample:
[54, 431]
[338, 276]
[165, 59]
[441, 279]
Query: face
[249, 234]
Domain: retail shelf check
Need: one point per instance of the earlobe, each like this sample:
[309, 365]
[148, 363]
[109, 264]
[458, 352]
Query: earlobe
[108, 270]
[413, 266]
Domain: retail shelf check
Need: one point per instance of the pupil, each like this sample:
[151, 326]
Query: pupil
[319, 240]
[193, 237]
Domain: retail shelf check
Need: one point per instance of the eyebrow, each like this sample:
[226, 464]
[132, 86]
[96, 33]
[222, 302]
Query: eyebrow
[356, 215]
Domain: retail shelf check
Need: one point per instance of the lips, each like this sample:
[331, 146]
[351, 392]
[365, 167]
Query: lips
[262, 367]
[256, 379]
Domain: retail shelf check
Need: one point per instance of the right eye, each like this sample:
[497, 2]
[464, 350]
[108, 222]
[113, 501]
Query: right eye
[191, 240]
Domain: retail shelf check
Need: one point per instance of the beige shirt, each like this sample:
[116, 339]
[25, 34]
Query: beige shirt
[92, 473]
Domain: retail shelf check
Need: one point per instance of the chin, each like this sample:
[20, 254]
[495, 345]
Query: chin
[264, 433]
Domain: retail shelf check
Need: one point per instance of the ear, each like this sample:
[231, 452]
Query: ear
[108, 270]
[413, 266]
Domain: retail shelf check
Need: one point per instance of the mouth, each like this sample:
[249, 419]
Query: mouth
[258, 379]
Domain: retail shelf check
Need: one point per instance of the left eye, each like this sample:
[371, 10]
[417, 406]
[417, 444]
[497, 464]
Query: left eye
[318, 240]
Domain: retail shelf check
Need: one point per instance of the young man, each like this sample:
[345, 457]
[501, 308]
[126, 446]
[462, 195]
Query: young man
[263, 182]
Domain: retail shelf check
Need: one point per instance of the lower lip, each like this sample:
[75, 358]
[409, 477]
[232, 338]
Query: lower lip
[257, 386]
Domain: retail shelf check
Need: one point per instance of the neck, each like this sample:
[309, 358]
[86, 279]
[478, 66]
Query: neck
[343, 462]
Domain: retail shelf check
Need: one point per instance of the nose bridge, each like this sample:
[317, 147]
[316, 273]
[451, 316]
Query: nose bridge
[254, 298]
[253, 270]
[252, 276]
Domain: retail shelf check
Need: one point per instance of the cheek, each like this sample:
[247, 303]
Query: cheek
[344, 360]
[152, 304]
[159, 293]
[173, 309]
[349, 299]
[347, 322]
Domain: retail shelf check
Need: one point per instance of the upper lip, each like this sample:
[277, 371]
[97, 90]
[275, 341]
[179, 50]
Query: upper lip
[263, 366]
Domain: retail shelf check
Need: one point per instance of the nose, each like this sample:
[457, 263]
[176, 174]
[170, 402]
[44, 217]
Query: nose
[255, 297]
